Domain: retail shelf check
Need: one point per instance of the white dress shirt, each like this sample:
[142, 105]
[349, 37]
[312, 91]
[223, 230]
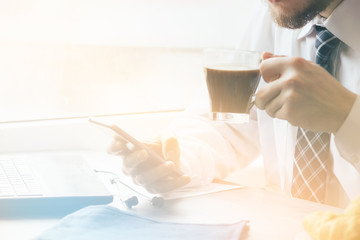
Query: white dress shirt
[212, 150]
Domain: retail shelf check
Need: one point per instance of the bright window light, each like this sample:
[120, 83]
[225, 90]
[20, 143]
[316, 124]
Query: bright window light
[66, 58]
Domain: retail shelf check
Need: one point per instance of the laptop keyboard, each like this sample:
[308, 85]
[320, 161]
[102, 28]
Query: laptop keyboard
[17, 179]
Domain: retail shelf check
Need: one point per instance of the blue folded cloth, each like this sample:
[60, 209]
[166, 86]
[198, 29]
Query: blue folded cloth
[109, 223]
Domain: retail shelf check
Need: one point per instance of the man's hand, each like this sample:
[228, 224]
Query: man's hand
[303, 93]
[155, 178]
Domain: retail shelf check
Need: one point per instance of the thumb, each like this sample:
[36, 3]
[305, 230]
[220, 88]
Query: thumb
[267, 55]
[171, 149]
[271, 66]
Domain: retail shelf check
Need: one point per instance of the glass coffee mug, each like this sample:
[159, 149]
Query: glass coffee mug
[232, 77]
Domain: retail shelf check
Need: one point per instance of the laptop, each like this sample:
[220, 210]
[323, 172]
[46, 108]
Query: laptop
[37, 185]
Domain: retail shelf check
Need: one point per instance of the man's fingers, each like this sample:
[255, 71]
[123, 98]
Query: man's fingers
[117, 147]
[133, 161]
[265, 95]
[273, 107]
[171, 149]
[154, 144]
[266, 55]
[157, 177]
[273, 67]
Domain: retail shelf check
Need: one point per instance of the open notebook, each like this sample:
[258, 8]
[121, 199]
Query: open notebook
[47, 184]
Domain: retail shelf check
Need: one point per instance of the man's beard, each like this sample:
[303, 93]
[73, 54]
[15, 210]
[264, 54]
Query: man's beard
[300, 18]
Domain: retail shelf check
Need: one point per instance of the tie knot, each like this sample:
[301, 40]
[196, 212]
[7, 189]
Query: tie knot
[324, 44]
[324, 38]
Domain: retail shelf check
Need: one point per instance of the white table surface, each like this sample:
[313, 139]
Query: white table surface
[270, 215]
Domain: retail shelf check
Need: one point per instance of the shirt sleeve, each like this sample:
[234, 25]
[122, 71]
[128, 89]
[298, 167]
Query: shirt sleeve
[211, 150]
[347, 139]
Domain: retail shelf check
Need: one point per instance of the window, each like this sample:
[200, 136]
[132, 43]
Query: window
[66, 58]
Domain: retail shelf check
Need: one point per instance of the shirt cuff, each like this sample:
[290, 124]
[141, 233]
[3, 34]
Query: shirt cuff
[347, 138]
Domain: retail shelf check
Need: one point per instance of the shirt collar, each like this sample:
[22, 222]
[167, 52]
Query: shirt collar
[342, 23]
[308, 28]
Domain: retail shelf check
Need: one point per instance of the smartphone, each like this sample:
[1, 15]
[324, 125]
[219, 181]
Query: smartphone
[136, 143]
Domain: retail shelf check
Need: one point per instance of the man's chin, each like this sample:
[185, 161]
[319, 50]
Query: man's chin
[297, 17]
[288, 21]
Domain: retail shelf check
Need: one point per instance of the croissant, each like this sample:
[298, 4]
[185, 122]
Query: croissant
[332, 226]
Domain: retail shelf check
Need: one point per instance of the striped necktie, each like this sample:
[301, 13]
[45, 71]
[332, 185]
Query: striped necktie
[312, 158]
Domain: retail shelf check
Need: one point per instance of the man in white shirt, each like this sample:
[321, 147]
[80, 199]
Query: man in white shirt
[296, 93]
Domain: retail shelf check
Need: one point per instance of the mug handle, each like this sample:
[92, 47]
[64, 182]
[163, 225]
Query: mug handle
[252, 102]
